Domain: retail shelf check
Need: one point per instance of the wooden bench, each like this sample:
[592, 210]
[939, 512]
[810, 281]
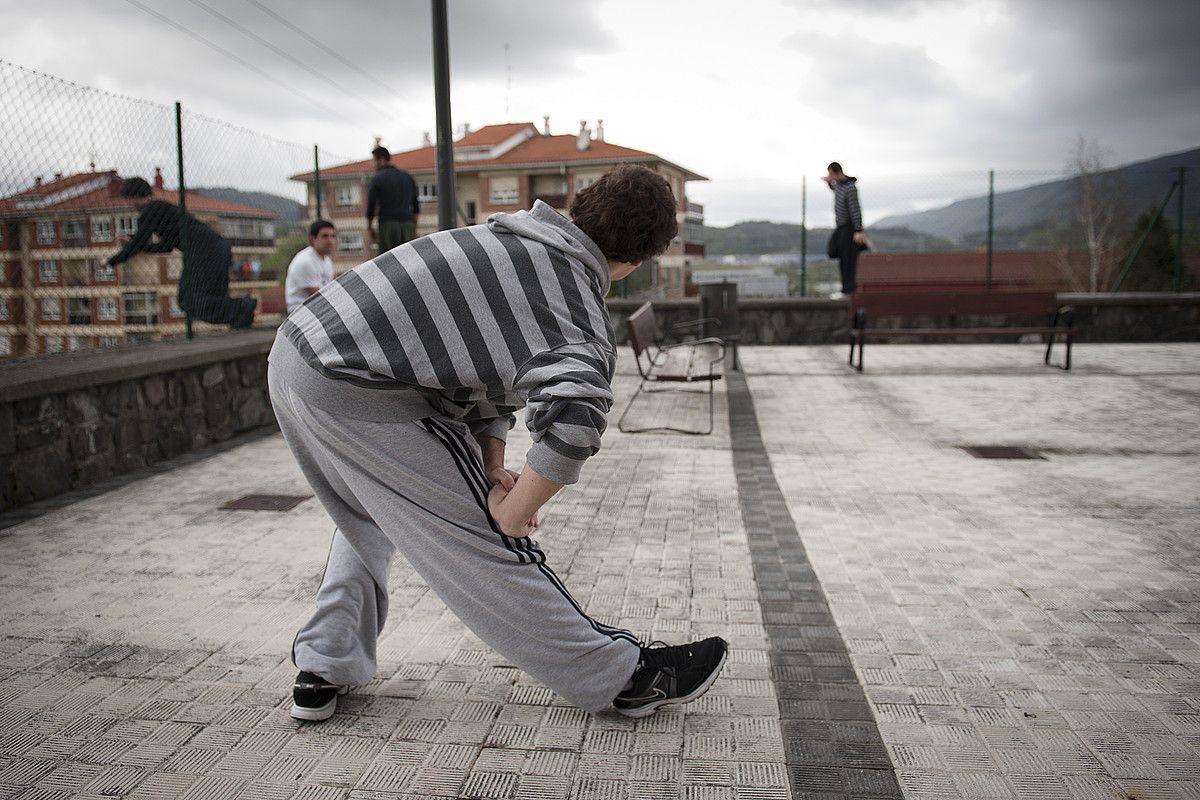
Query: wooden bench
[689, 362]
[873, 305]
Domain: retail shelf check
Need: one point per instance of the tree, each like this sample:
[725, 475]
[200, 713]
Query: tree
[1096, 211]
[1153, 267]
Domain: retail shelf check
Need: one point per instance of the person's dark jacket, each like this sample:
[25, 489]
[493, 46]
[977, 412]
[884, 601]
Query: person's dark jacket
[393, 194]
[161, 218]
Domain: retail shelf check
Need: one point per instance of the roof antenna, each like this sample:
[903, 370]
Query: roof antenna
[507, 81]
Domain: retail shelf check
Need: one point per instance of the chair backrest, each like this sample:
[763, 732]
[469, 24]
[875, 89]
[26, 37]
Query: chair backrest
[641, 329]
[884, 304]
[719, 301]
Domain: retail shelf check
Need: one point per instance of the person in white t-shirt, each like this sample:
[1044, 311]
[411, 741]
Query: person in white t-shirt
[312, 267]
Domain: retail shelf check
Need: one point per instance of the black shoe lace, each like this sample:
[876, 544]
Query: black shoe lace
[665, 656]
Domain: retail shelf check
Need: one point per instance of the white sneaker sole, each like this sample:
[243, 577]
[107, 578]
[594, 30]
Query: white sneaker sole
[650, 708]
[319, 713]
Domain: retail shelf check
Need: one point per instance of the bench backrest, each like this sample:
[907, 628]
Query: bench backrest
[884, 304]
[641, 329]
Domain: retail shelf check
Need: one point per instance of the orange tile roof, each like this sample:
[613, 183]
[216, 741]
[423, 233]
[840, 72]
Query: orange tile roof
[493, 134]
[105, 198]
[538, 149]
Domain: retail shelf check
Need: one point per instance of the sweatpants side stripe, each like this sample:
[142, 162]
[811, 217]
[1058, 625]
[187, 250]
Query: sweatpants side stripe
[538, 557]
[466, 458]
[470, 487]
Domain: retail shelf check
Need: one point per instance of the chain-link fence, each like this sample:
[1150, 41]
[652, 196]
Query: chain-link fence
[1126, 229]
[99, 247]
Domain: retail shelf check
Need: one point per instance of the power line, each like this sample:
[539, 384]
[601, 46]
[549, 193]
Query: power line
[284, 54]
[233, 57]
[316, 42]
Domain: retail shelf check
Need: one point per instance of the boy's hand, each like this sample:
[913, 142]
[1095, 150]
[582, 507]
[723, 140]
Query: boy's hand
[499, 476]
[495, 503]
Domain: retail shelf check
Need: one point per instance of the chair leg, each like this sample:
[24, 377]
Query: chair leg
[862, 346]
[1067, 365]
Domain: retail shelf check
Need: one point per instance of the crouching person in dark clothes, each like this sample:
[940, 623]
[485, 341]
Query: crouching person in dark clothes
[204, 286]
[395, 387]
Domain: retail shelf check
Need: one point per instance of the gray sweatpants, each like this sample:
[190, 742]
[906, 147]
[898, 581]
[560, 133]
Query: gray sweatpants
[396, 477]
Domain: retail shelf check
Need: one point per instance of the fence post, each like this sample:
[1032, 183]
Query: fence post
[803, 235]
[317, 179]
[184, 286]
[1179, 233]
[445, 146]
[991, 208]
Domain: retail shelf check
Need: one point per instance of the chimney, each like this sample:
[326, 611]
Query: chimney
[546, 125]
[37, 181]
[426, 139]
[378, 139]
[58, 176]
[584, 139]
[158, 178]
[599, 130]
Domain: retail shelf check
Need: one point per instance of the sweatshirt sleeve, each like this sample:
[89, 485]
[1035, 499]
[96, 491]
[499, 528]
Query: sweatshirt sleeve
[496, 427]
[372, 197]
[152, 220]
[853, 207]
[569, 396]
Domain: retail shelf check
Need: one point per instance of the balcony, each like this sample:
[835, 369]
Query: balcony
[693, 248]
[694, 211]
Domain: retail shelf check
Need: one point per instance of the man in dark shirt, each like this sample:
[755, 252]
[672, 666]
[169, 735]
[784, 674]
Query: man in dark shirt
[393, 195]
[204, 286]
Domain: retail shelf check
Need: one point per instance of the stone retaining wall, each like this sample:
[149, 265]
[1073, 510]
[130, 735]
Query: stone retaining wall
[73, 420]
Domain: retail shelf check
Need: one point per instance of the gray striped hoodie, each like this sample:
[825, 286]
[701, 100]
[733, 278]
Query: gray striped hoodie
[481, 321]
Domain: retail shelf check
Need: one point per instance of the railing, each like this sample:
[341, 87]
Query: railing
[695, 209]
[693, 248]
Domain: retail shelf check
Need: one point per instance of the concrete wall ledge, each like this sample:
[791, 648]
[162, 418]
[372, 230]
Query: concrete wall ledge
[22, 378]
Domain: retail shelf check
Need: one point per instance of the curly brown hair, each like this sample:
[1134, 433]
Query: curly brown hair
[629, 213]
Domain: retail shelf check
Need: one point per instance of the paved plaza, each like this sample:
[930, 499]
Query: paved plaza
[905, 619]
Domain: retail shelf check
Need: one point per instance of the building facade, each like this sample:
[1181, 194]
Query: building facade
[506, 168]
[57, 293]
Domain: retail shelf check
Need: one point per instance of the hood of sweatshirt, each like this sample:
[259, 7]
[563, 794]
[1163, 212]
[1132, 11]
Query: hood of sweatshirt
[545, 225]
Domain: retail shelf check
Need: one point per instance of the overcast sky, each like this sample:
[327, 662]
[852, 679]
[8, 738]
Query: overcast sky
[917, 97]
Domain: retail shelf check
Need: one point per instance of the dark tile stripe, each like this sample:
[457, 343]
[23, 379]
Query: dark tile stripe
[830, 736]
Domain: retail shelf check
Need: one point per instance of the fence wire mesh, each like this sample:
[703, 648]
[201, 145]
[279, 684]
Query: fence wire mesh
[89, 258]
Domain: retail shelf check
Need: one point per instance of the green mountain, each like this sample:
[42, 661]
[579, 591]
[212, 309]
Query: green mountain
[290, 212]
[760, 237]
[1140, 186]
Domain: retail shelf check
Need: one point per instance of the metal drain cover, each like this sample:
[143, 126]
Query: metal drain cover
[993, 451]
[267, 502]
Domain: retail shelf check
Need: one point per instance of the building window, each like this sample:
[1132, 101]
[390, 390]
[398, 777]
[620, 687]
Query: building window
[126, 225]
[106, 309]
[176, 311]
[427, 192]
[3, 309]
[346, 196]
[102, 230]
[73, 343]
[53, 344]
[48, 271]
[350, 242]
[109, 341]
[584, 181]
[45, 232]
[104, 272]
[79, 310]
[5, 345]
[73, 232]
[504, 191]
[51, 309]
[141, 308]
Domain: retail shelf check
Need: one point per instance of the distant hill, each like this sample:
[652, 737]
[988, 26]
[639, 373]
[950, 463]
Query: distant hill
[289, 211]
[760, 237]
[1141, 185]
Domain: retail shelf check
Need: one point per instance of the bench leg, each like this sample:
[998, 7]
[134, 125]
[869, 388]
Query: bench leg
[629, 405]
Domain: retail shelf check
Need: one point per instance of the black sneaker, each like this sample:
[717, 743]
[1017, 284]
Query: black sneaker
[668, 676]
[315, 698]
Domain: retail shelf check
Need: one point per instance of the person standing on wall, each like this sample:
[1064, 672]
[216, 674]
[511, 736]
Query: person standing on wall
[393, 196]
[848, 237]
